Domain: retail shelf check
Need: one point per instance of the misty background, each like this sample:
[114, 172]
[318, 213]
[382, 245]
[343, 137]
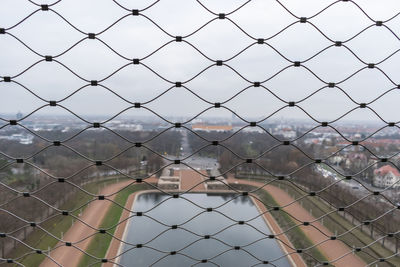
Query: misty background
[47, 33]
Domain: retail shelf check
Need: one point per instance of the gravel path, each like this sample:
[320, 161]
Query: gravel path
[93, 215]
[95, 212]
[332, 249]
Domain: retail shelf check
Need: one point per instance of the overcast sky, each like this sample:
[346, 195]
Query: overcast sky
[136, 37]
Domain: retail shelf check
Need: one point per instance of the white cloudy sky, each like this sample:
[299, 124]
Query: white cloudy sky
[135, 37]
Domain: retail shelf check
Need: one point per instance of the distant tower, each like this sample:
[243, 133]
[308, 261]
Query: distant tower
[233, 119]
[19, 115]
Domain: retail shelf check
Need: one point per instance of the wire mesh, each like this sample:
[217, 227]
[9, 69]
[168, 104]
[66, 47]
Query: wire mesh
[369, 224]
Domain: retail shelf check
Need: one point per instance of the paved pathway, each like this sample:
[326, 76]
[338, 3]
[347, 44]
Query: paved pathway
[189, 180]
[93, 216]
[332, 249]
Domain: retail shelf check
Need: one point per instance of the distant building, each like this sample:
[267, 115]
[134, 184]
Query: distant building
[250, 129]
[21, 138]
[386, 176]
[356, 160]
[286, 131]
[211, 128]
[336, 160]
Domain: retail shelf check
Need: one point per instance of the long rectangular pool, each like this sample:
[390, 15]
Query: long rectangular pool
[160, 212]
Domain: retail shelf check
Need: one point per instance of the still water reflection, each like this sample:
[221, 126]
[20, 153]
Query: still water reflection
[143, 229]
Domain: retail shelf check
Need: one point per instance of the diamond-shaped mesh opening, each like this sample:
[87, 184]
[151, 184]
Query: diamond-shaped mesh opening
[182, 133]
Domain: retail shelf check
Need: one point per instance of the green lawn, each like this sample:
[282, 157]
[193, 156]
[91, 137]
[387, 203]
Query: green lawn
[99, 245]
[337, 224]
[57, 225]
[299, 240]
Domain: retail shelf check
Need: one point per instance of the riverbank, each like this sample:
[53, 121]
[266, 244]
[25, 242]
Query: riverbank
[193, 181]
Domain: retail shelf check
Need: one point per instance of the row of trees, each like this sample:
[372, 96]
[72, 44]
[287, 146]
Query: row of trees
[59, 161]
[261, 147]
[285, 160]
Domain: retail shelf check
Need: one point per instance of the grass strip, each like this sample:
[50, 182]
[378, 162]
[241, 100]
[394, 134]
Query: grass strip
[296, 236]
[335, 223]
[56, 226]
[98, 246]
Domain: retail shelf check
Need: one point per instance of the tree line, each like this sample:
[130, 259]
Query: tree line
[62, 162]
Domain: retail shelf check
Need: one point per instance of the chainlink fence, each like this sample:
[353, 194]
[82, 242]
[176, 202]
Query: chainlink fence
[328, 191]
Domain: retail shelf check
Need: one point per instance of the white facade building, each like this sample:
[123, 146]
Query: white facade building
[386, 176]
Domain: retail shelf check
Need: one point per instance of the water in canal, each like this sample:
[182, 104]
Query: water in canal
[225, 232]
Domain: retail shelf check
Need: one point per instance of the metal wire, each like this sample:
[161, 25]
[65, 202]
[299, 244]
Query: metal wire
[288, 178]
